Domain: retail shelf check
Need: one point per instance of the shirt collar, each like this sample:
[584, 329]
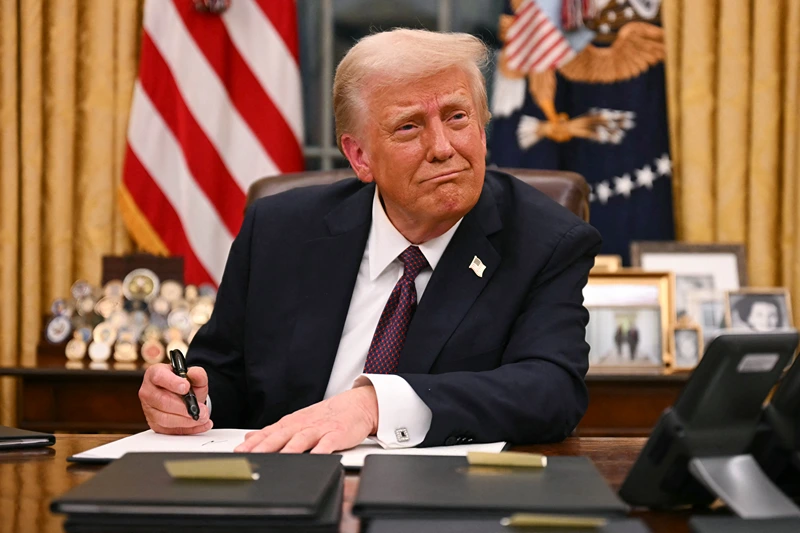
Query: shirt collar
[385, 243]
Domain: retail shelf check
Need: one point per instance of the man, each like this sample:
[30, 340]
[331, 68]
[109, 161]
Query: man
[312, 337]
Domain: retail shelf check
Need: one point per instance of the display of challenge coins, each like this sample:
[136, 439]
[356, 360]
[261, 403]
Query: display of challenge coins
[76, 348]
[99, 352]
[58, 329]
[153, 351]
[141, 284]
[125, 318]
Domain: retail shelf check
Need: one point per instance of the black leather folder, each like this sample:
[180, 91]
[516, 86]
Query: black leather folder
[12, 438]
[420, 486]
[734, 524]
[436, 525]
[300, 492]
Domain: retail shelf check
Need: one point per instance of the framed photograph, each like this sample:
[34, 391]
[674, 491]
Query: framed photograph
[703, 268]
[629, 317]
[607, 263]
[759, 310]
[706, 308]
[686, 340]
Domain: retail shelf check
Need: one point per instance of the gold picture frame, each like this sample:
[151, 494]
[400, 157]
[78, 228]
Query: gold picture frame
[778, 307]
[686, 345]
[632, 312]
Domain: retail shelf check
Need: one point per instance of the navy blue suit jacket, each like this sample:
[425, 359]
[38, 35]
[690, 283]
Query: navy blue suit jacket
[498, 357]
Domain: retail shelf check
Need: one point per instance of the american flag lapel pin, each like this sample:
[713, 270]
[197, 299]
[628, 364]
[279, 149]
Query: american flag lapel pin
[477, 266]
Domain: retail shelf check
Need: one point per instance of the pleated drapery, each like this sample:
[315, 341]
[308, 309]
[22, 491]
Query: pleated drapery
[67, 69]
[732, 80]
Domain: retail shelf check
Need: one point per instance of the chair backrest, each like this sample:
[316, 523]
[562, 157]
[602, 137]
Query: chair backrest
[567, 188]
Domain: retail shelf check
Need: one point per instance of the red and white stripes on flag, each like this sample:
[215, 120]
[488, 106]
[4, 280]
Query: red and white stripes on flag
[534, 43]
[217, 106]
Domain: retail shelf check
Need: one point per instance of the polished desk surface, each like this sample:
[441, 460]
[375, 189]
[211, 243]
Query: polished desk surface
[30, 479]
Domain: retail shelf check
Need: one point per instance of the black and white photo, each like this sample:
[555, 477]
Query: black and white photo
[759, 310]
[685, 285]
[687, 347]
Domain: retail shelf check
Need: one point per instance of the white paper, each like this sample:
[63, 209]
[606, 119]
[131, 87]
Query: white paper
[225, 440]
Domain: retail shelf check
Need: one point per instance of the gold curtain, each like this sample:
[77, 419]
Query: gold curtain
[67, 69]
[734, 111]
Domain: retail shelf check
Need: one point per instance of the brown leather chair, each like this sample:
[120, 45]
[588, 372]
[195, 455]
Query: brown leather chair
[567, 188]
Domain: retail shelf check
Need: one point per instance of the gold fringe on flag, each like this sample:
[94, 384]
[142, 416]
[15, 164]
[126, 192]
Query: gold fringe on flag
[138, 226]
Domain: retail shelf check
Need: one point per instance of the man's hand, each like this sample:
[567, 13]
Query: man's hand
[338, 423]
[161, 396]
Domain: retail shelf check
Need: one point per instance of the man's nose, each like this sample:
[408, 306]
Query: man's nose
[439, 147]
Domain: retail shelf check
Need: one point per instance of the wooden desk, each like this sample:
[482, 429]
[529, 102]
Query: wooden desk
[29, 480]
[54, 398]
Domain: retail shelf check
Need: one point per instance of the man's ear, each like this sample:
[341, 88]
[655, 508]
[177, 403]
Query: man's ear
[357, 157]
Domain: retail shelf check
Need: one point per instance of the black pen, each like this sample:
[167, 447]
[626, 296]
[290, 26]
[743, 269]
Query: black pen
[179, 368]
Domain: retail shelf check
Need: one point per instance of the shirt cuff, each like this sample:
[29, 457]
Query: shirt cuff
[403, 418]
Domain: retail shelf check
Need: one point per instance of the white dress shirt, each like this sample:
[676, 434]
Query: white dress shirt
[403, 418]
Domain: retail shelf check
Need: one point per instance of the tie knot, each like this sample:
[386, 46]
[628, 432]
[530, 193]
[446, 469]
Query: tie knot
[413, 261]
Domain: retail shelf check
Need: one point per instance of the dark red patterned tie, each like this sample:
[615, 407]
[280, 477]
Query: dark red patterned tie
[390, 335]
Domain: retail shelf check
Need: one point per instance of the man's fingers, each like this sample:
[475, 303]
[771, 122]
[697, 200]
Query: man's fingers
[171, 420]
[195, 430]
[274, 442]
[183, 431]
[302, 441]
[267, 431]
[166, 401]
[326, 445]
[198, 377]
[251, 439]
[161, 375]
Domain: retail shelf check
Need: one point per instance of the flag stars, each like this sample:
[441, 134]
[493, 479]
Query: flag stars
[664, 165]
[603, 192]
[645, 177]
[623, 185]
[628, 12]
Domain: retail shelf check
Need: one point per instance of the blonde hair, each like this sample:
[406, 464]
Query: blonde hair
[399, 55]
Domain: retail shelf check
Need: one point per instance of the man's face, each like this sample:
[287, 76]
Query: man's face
[423, 143]
[763, 316]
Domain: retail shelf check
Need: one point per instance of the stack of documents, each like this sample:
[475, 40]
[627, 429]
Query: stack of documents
[11, 438]
[434, 525]
[451, 487]
[176, 492]
[734, 524]
[225, 440]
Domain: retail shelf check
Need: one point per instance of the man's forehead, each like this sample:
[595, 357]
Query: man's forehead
[400, 101]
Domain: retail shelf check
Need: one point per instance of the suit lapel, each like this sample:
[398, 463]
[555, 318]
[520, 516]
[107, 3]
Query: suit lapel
[453, 287]
[330, 266]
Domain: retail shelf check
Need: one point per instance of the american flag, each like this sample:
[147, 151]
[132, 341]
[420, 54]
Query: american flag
[534, 43]
[217, 105]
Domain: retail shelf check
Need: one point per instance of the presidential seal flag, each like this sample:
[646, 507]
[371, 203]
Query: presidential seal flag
[217, 105]
[589, 98]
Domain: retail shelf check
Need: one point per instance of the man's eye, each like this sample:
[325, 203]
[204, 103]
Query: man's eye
[459, 116]
[406, 127]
